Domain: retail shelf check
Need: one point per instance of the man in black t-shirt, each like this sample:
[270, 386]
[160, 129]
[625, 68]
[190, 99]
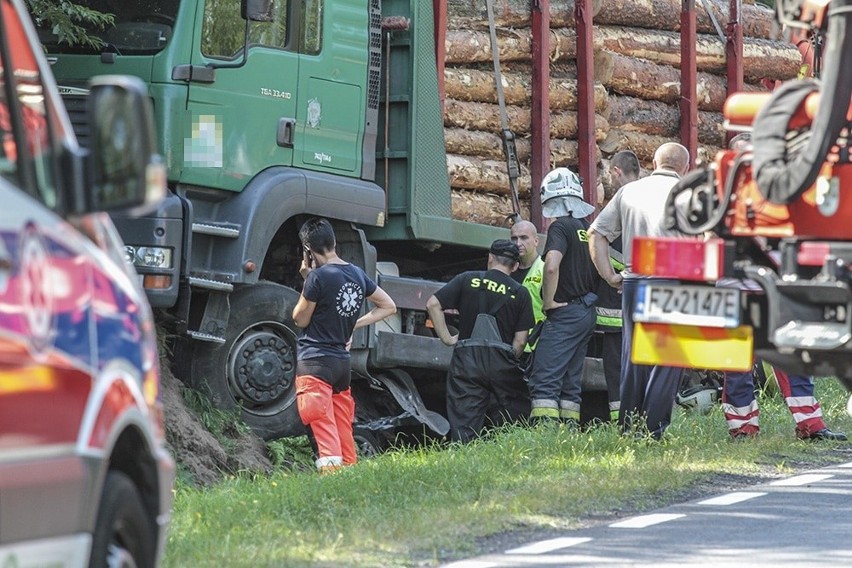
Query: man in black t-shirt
[328, 312]
[568, 299]
[495, 315]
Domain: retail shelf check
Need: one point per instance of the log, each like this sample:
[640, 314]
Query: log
[644, 145]
[489, 176]
[661, 119]
[757, 21]
[762, 58]
[475, 85]
[646, 80]
[484, 208]
[474, 46]
[510, 13]
[486, 116]
[488, 146]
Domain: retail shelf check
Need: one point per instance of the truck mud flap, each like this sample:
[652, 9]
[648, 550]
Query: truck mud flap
[402, 387]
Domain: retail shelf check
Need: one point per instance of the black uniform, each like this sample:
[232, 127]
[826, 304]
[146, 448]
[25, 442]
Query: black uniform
[483, 364]
[555, 382]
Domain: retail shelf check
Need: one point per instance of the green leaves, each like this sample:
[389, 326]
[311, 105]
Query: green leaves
[70, 22]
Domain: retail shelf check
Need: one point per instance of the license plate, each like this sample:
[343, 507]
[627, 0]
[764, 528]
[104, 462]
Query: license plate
[688, 305]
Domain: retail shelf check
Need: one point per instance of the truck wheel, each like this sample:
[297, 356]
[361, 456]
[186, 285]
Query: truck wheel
[124, 536]
[254, 371]
[367, 443]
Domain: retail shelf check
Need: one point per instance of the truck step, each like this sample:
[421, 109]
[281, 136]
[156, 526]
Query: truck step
[201, 336]
[216, 230]
[209, 284]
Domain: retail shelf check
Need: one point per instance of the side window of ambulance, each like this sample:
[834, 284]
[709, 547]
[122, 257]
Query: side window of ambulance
[8, 150]
[31, 104]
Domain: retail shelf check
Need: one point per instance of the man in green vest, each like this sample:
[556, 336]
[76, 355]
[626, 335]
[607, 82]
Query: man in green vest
[529, 273]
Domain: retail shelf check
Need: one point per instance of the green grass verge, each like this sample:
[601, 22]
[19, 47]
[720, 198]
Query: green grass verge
[423, 506]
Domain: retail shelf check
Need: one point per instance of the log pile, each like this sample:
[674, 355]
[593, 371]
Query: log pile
[637, 87]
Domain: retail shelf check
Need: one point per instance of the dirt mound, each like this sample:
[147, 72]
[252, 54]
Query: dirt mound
[199, 453]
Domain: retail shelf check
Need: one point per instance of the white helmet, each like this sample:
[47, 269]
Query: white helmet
[562, 193]
[700, 398]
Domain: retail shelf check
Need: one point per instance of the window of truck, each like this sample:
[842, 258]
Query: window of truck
[140, 27]
[223, 29]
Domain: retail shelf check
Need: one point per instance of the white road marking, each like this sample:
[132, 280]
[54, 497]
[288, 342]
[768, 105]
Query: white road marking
[547, 545]
[472, 564]
[846, 465]
[645, 521]
[806, 479]
[731, 498]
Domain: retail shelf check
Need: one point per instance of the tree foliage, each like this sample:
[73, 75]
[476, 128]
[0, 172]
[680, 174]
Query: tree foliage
[69, 21]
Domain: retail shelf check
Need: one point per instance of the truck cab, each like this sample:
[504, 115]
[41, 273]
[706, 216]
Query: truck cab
[85, 478]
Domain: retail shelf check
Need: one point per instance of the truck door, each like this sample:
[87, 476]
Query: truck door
[333, 73]
[242, 114]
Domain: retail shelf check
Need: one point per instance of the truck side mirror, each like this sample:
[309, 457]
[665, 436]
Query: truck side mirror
[125, 170]
[257, 10]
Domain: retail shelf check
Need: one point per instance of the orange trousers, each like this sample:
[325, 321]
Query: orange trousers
[329, 416]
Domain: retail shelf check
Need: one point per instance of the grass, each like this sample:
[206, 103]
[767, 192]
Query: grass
[421, 507]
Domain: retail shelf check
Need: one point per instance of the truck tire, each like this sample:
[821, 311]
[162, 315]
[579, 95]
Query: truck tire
[254, 371]
[124, 534]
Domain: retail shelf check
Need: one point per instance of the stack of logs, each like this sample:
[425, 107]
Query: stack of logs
[637, 86]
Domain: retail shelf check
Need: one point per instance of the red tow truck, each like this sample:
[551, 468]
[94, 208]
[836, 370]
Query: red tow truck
[85, 478]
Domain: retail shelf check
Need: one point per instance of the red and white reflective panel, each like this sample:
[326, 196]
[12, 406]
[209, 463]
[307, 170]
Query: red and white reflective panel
[683, 259]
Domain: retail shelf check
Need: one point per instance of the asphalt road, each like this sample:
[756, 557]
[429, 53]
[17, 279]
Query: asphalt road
[801, 521]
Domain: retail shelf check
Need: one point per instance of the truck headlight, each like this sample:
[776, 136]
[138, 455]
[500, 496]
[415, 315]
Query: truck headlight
[148, 257]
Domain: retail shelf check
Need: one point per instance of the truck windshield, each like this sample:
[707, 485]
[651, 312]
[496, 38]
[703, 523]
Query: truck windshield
[140, 27]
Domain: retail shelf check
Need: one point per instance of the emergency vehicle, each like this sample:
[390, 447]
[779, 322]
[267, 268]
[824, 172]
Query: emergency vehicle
[85, 478]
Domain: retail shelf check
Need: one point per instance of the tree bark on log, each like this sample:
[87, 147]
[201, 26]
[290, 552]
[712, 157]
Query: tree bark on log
[474, 46]
[644, 145]
[640, 78]
[484, 208]
[757, 21]
[762, 58]
[661, 119]
[486, 117]
[489, 176]
[510, 13]
[487, 146]
[475, 85]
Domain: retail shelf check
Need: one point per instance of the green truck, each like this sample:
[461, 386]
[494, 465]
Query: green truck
[270, 111]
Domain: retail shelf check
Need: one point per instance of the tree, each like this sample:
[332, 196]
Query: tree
[70, 22]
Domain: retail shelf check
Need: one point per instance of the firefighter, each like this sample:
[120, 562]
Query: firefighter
[624, 168]
[741, 411]
[495, 315]
[529, 273]
[568, 300]
[327, 312]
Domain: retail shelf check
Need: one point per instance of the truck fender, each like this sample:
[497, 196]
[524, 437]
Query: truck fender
[267, 202]
[404, 391]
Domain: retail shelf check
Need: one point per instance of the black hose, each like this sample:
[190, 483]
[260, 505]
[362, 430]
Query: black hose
[781, 177]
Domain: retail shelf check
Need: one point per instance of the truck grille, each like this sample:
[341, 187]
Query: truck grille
[76, 107]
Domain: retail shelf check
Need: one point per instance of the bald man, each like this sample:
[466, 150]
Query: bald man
[530, 264]
[638, 210]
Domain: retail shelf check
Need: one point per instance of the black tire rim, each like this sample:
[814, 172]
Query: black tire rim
[262, 368]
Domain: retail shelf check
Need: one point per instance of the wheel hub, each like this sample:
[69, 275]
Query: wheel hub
[263, 368]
